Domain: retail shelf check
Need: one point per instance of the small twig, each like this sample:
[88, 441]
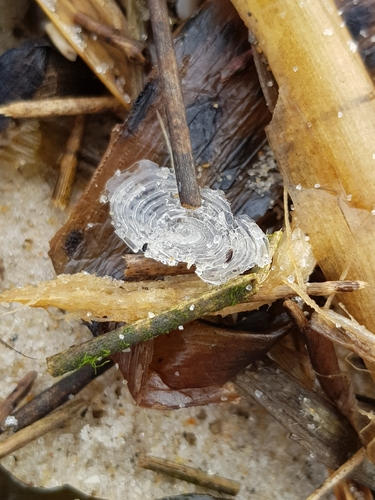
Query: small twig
[95, 350]
[34, 431]
[265, 296]
[187, 184]
[343, 471]
[64, 106]
[22, 389]
[131, 48]
[190, 474]
[56, 395]
[68, 165]
[140, 267]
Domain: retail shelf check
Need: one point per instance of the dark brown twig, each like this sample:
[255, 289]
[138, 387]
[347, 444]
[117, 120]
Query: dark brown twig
[131, 48]
[187, 185]
[22, 389]
[56, 395]
[190, 474]
[140, 267]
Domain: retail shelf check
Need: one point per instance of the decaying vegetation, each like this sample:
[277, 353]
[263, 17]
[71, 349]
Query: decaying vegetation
[316, 294]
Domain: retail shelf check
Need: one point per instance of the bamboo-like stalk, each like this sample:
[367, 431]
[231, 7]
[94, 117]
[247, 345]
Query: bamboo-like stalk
[322, 134]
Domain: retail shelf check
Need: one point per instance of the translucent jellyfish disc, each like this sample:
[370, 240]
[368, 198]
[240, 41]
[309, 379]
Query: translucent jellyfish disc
[148, 216]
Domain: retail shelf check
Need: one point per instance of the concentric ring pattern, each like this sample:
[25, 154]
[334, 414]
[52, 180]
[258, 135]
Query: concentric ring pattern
[148, 216]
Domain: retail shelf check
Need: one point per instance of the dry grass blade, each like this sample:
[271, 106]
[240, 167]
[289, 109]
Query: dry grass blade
[108, 63]
[322, 126]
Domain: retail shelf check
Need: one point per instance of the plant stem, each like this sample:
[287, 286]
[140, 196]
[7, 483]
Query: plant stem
[187, 185]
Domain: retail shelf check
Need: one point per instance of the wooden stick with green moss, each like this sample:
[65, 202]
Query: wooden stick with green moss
[94, 351]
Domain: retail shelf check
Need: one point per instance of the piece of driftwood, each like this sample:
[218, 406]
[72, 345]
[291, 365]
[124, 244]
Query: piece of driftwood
[41, 427]
[22, 389]
[341, 473]
[188, 189]
[311, 421]
[226, 122]
[190, 474]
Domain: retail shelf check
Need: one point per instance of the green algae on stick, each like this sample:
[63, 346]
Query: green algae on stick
[95, 350]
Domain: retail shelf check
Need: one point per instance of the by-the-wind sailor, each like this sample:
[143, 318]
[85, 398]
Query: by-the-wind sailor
[148, 216]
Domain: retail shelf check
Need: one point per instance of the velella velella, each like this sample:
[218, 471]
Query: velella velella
[147, 215]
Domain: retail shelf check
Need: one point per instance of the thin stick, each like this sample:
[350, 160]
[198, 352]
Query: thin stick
[22, 389]
[265, 296]
[61, 107]
[56, 395]
[140, 267]
[190, 474]
[339, 474]
[99, 348]
[68, 165]
[187, 185]
[131, 48]
[34, 431]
